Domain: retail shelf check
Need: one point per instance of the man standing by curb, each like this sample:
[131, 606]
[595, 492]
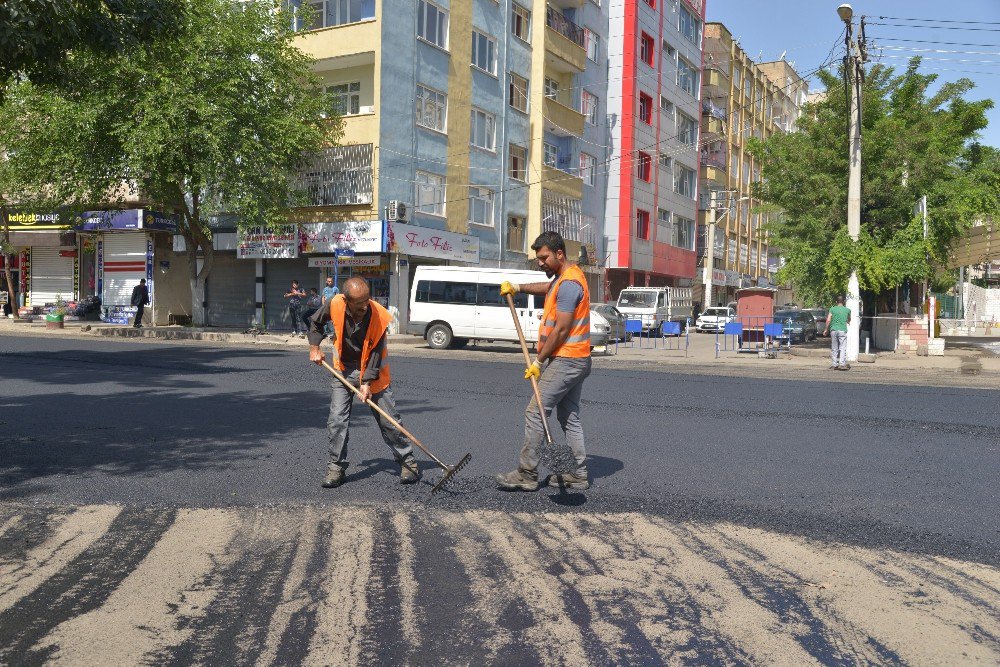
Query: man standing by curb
[836, 327]
[140, 299]
[564, 337]
[360, 328]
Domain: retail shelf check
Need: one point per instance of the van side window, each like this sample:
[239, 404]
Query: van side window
[489, 295]
[438, 291]
[659, 300]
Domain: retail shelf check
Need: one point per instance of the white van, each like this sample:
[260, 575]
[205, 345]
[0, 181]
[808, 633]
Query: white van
[656, 305]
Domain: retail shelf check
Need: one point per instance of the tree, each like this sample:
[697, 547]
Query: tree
[217, 117]
[36, 39]
[913, 143]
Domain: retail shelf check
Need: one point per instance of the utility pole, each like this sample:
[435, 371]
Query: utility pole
[708, 268]
[853, 76]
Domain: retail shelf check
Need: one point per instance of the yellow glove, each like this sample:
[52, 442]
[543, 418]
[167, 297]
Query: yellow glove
[507, 287]
[533, 371]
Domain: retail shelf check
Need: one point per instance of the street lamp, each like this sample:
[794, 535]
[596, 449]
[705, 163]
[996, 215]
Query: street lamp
[845, 12]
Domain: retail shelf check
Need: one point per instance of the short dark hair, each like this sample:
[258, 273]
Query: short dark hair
[840, 299]
[551, 240]
[295, 282]
[142, 280]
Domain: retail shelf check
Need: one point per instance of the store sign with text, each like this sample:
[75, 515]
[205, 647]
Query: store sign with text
[261, 244]
[435, 243]
[357, 261]
[355, 235]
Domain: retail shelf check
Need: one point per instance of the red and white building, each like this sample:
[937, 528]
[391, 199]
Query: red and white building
[655, 62]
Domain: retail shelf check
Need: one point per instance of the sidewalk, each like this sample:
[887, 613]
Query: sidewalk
[964, 364]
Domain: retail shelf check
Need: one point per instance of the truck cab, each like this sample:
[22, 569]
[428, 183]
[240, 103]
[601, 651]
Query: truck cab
[655, 305]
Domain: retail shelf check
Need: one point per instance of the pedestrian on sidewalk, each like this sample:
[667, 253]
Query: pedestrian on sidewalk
[330, 290]
[295, 296]
[140, 299]
[562, 364]
[313, 303]
[360, 331]
[836, 327]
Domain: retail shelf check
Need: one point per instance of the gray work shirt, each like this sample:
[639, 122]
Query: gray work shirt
[354, 341]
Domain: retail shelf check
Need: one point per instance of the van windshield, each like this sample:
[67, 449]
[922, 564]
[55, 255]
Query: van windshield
[629, 299]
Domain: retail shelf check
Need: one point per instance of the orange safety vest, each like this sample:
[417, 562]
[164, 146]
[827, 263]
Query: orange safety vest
[578, 342]
[378, 324]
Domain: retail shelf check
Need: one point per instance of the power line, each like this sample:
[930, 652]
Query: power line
[933, 27]
[903, 18]
[951, 51]
[924, 41]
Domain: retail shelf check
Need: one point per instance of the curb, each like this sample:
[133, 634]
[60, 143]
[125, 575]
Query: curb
[222, 336]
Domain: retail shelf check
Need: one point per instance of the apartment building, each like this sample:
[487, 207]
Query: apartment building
[654, 104]
[740, 99]
[484, 118]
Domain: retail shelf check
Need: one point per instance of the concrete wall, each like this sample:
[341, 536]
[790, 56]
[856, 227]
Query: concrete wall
[172, 288]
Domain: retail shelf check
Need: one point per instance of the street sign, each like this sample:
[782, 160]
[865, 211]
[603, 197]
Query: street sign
[343, 252]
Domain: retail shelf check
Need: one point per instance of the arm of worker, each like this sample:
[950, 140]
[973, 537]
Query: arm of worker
[316, 333]
[829, 318]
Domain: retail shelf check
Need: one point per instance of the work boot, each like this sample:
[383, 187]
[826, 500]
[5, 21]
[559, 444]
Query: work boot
[518, 480]
[578, 481]
[334, 477]
[409, 473]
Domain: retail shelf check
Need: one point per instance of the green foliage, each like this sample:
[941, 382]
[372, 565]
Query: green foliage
[913, 144]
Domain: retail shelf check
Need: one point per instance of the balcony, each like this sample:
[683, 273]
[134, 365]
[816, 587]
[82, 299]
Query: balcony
[710, 109]
[564, 42]
[561, 120]
[567, 4]
[570, 230]
[714, 158]
[713, 174]
[712, 126]
[561, 182]
[715, 82]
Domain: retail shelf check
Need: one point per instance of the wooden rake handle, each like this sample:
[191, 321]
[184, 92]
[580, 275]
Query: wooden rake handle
[374, 406]
[527, 364]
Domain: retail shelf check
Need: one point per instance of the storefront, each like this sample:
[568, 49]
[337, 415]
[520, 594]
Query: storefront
[47, 269]
[411, 247]
[127, 244]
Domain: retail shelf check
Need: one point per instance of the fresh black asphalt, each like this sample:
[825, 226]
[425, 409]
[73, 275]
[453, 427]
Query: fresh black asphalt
[140, 424]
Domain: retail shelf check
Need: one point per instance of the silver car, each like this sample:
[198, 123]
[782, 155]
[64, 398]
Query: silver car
[614, 318]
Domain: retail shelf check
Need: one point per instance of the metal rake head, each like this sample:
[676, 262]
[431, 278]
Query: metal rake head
[446, 478]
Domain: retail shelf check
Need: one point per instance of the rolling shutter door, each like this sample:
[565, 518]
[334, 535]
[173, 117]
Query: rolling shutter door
[51, 276]
[124, 267]
[279, 274]
[230, 292]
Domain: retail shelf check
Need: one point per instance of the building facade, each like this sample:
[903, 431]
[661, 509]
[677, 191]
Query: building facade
[484, 118]
[740, 100]
[653, 103]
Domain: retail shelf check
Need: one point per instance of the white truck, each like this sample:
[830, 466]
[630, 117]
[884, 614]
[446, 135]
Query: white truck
[656, 305]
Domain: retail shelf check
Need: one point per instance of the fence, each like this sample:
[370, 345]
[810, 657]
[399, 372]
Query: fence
[668, 336]
[754, 334]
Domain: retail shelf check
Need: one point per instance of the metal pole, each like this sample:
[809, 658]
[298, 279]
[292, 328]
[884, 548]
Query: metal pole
[709, 267]
[853, 63]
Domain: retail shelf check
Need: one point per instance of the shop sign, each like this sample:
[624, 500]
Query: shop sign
[762, 281]
[732, 279]
[425, 242]
[360, 260]
[260, 244]
[28, 221]
[120, 314]
[130, 219]
[718, 277]
[355, 235]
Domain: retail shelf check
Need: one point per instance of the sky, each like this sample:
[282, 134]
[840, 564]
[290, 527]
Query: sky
[805, 30]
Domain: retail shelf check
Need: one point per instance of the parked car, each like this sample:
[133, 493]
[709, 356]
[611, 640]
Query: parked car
[798, 324]
[614, 319]
[819, 314]
[714, 319]
[600, 330]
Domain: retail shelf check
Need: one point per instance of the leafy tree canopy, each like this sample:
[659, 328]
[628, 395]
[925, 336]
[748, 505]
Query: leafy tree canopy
[914, 143]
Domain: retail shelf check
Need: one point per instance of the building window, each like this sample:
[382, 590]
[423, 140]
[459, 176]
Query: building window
[481, 206]
[517, 163]
[483, 130]
[663, 233]
[665, 160]
[666, 105]
[687, 129]
[346, 97]
[683, 233]
[588, 107]
[328, 13]
[515, 233]
[337, 176]
[642, 224]
[644, 166]
[689, 26]
[520, 22]
[484, 52]
[517, 93]
[645, 108]
[592, 42]
[671, 51]
[588, 168]
[646, 49]
[687, 77]
[551, 88]
[550, 155]
[684, 179]
[432, 23]
[651, 3]
[432, 109]
[430, 193]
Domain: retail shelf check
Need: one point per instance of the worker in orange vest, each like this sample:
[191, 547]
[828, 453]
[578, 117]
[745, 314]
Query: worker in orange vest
[360, 328]
[563, 363]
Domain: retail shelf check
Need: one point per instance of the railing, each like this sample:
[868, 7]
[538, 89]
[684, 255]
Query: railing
[713, 110]
[570, 230]
[716, 159]
[571, 31]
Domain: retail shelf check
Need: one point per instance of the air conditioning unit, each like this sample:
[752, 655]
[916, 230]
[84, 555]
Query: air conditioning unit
[396, 211]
